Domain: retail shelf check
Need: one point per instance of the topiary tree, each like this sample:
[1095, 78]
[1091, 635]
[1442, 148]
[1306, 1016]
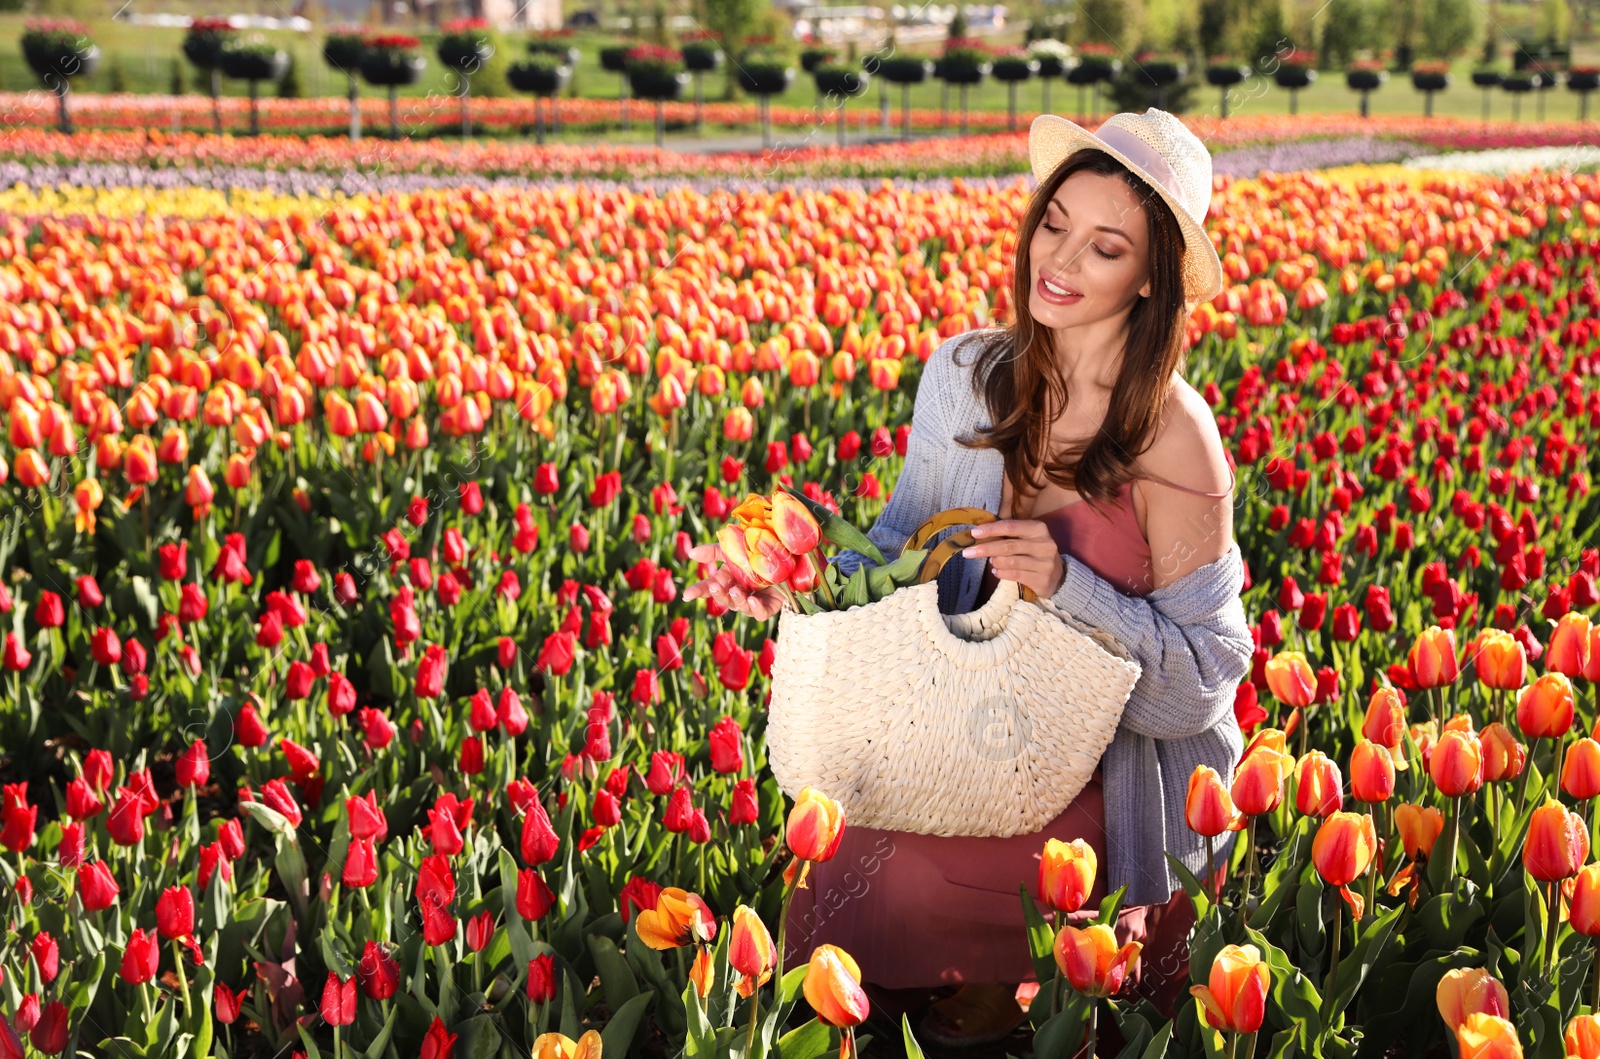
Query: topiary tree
[732, 21]
[253, 61]
[465, 47]
[390, 61]
[966, 62]
[544, 74]
[202, 45]
[657, 74]
[59, 51]
[342, 50]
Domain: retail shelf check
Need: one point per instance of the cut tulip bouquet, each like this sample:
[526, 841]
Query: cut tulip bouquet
[775, 541]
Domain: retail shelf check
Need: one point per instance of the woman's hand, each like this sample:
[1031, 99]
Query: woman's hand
[721, 586]
[1020, 550]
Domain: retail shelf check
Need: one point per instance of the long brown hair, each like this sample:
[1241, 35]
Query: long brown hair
[1025, 399]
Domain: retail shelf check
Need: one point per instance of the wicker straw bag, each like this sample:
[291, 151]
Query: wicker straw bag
[985, 723]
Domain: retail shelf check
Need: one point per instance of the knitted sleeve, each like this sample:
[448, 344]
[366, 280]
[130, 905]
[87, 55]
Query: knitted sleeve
[1190, 637]
[921, 482]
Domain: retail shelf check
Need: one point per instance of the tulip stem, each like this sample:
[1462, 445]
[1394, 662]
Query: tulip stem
[1249, 870]
[1555, 926]
[755, 1010]
[1211, 869]
[783, 925]
[1094, 1024]
[183, 979]
[1561, 753]
[337, 1049]
[1522, 785]
[1454, 824]
[1594, 1006]
[150, 1015]
[1329, 985]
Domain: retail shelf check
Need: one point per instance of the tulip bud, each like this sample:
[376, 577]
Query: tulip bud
[815, 826]
[1456, 764]
[1318, 785]
[1235, 996]
[1091, 960]
[1208, 809]
[832, 987]
[1557, 843]
[1371, 772]
[1544, 708]
[1066, 874]
[1503, 756]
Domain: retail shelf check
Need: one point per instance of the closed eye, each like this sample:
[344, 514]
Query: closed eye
[1102, 253]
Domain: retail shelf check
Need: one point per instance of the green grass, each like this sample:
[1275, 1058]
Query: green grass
[145, 56]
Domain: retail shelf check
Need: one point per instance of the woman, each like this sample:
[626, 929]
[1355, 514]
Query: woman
[1112, 488]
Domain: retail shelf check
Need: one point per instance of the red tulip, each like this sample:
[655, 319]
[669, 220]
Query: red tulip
[378, 972]
[339, 1000]
[175, 912]
[141, 957]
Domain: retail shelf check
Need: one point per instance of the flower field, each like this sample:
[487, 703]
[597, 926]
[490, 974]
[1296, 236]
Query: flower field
[136, 131]
[350, 705]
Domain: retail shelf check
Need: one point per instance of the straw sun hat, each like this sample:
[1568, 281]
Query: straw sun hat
[1160, 149]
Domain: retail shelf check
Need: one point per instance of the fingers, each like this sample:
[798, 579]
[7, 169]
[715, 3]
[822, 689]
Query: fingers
[706, 553]
[1010, 546]
[1011, 527]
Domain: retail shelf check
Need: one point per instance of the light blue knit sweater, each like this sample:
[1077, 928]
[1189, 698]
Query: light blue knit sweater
[1190, 637]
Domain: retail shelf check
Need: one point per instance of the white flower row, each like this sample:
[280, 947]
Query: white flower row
[1510, 159]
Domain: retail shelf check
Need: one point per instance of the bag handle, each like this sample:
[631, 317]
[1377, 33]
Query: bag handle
[956, 516]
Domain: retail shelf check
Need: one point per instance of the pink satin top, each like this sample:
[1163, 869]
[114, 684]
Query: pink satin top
[1108, 540]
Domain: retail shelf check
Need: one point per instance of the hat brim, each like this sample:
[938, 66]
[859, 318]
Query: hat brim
[1052, 138]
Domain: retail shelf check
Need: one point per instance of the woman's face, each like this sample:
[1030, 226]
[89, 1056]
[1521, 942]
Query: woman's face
[1094, 242]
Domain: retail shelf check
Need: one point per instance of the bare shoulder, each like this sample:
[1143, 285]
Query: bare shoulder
[1188, 449]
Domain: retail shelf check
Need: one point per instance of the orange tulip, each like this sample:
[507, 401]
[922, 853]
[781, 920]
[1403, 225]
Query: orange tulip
[1583, 1037]
[1557, 843]
[237, 471]
[1544, 709]
[1235, 997]
[1456, 764]
[794, 524]
[832, 987]
[559, 1046]
[816, 824]
[1371, 772]
[87, 496]
[1318, 785]
[1484, 1036]
[1419, 826]
[138, 460]
[1500, 660]
[1568, 653]
[198, 490]
[1503, 756]
[1091, 961]
[1466, 991]
[340, 416]
[750, 950]
[1580, 772]
[1433, 657]
[1208, 809]
[754, 540]
[703, 972]
[1385, 724]
[1291, 678]
[1066, 874]
[679, 918]
[1258, 780]
[1459, 723]
[1583, 910]
[1342, 852]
